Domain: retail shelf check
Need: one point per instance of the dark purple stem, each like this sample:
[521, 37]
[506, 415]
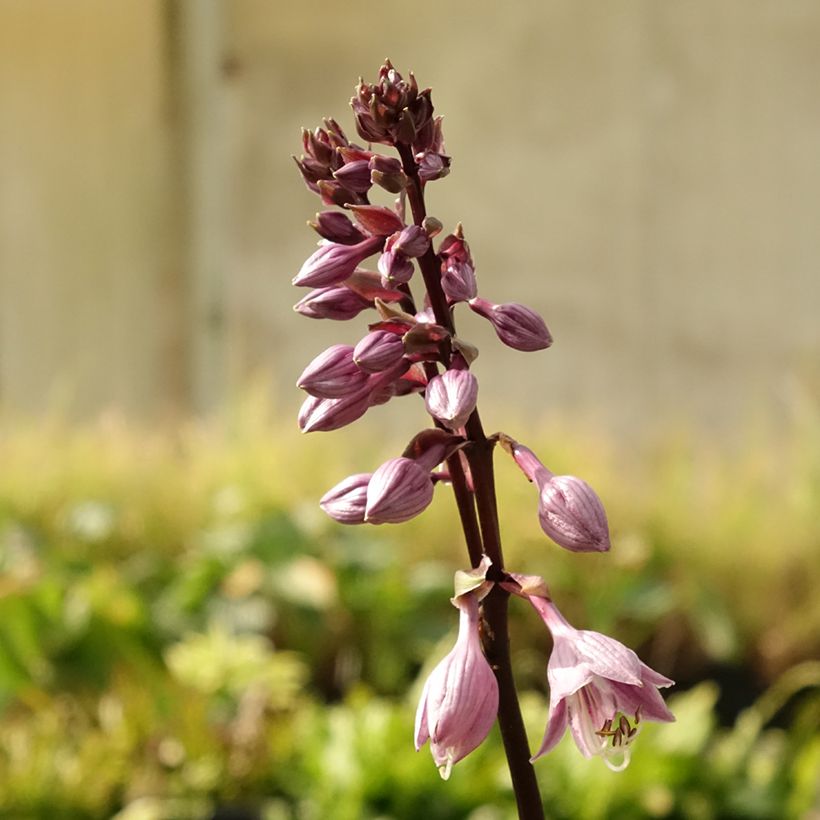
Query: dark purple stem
[495, 637]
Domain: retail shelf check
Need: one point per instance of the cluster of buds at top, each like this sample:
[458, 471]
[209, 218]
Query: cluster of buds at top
[598, 687]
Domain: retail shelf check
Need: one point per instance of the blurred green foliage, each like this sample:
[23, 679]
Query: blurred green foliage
[184, 635]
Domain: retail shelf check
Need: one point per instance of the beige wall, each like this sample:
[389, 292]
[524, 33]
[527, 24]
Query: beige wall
[646, 173]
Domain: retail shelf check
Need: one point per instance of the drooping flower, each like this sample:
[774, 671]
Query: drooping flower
[599, 688]
[459, 702]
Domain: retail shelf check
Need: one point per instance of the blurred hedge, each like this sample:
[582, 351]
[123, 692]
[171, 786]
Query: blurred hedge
[183, 633]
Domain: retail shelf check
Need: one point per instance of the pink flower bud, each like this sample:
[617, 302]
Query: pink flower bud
[332, 374]
[387, 172]
[377, 220]
[336, 227]
[355, 176]
[321, 415]
[516, 325]
[451, 397]
[378, 350]
[432, 165]
[458, 281]
[399, 490]
[333, 263]
[412, 241]
[572, 514]
[334, 193]
[395, 268]
[346, 501]
[339, 303]
[459, 701]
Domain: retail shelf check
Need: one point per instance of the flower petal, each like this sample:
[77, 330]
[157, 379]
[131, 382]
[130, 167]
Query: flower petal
[609, 658]
[556, 726]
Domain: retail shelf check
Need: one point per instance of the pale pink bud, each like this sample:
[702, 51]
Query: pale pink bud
[395, 268]
[377, 220]
[333, 263]
[346, 501]
[321, 415]
[599, 688]
[332, 374]
[399, 490]
[336, 227]
[378, 350]
[412, 241]
[516, 325]
[355, 176]
[451, 397]
[572, 514]
[458, 281]
[339, 303]
[459, 701]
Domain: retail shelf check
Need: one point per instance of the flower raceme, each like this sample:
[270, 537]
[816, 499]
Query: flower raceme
[459, 701]
[599, 688]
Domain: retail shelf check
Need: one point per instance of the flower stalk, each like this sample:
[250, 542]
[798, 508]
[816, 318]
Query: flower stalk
[412, 347]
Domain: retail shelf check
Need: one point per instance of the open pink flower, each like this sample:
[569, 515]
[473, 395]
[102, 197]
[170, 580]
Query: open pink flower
[459, 702]
[599, 688]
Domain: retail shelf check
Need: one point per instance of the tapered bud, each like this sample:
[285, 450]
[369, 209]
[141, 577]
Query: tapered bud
[339, 303]
[572, 515]
[377, 220]
[332, 374]
[368, 284]
[378, 351]
[387, 172]
[355, 176]
[334, 193]
[412, 241]
[346, 501]
[516, 325]
[451, 397]
[336, 227]
[321, 415]
[333, 263]
[399, 490]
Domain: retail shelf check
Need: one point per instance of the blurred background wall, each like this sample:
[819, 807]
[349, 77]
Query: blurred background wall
[645, 173]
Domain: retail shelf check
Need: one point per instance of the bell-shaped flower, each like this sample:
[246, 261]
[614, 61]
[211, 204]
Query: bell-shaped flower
[399, 490]
[599, 688]
[459, 701]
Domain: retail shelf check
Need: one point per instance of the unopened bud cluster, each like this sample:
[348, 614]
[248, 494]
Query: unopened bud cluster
[370, 257]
